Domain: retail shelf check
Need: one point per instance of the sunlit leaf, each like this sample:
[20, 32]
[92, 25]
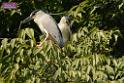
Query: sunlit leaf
[109, 70]
[4, 43]
[57, 74]
[29, 32]
[12, 42]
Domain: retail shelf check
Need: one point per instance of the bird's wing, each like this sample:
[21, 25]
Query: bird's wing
[52, 28]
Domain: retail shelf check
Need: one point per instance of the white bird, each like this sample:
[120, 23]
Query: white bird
[64, 26]
[47, 25]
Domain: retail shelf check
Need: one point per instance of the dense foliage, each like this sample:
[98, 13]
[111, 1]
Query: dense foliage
[94, 54]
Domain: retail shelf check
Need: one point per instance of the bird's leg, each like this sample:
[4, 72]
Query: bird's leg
[47, 36]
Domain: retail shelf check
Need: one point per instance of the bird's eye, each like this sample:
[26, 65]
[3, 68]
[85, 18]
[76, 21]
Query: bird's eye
[34, 12]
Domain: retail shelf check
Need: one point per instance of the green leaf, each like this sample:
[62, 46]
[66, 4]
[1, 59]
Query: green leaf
[12, 42]
[37, 50]
[29, 32]
[4, 43]
[121, 5]
[109, 69]
[21, 34]
[57, 73]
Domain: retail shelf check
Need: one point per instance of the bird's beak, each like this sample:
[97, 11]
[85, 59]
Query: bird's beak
[27, 19]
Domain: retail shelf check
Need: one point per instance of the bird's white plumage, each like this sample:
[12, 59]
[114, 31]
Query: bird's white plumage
[49, 26]
[64, 26]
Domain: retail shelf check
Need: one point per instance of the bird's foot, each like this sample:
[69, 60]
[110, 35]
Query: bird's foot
[40, 46]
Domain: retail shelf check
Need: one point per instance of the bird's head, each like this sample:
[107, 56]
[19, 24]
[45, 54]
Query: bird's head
[33, 15]
[65, 19]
